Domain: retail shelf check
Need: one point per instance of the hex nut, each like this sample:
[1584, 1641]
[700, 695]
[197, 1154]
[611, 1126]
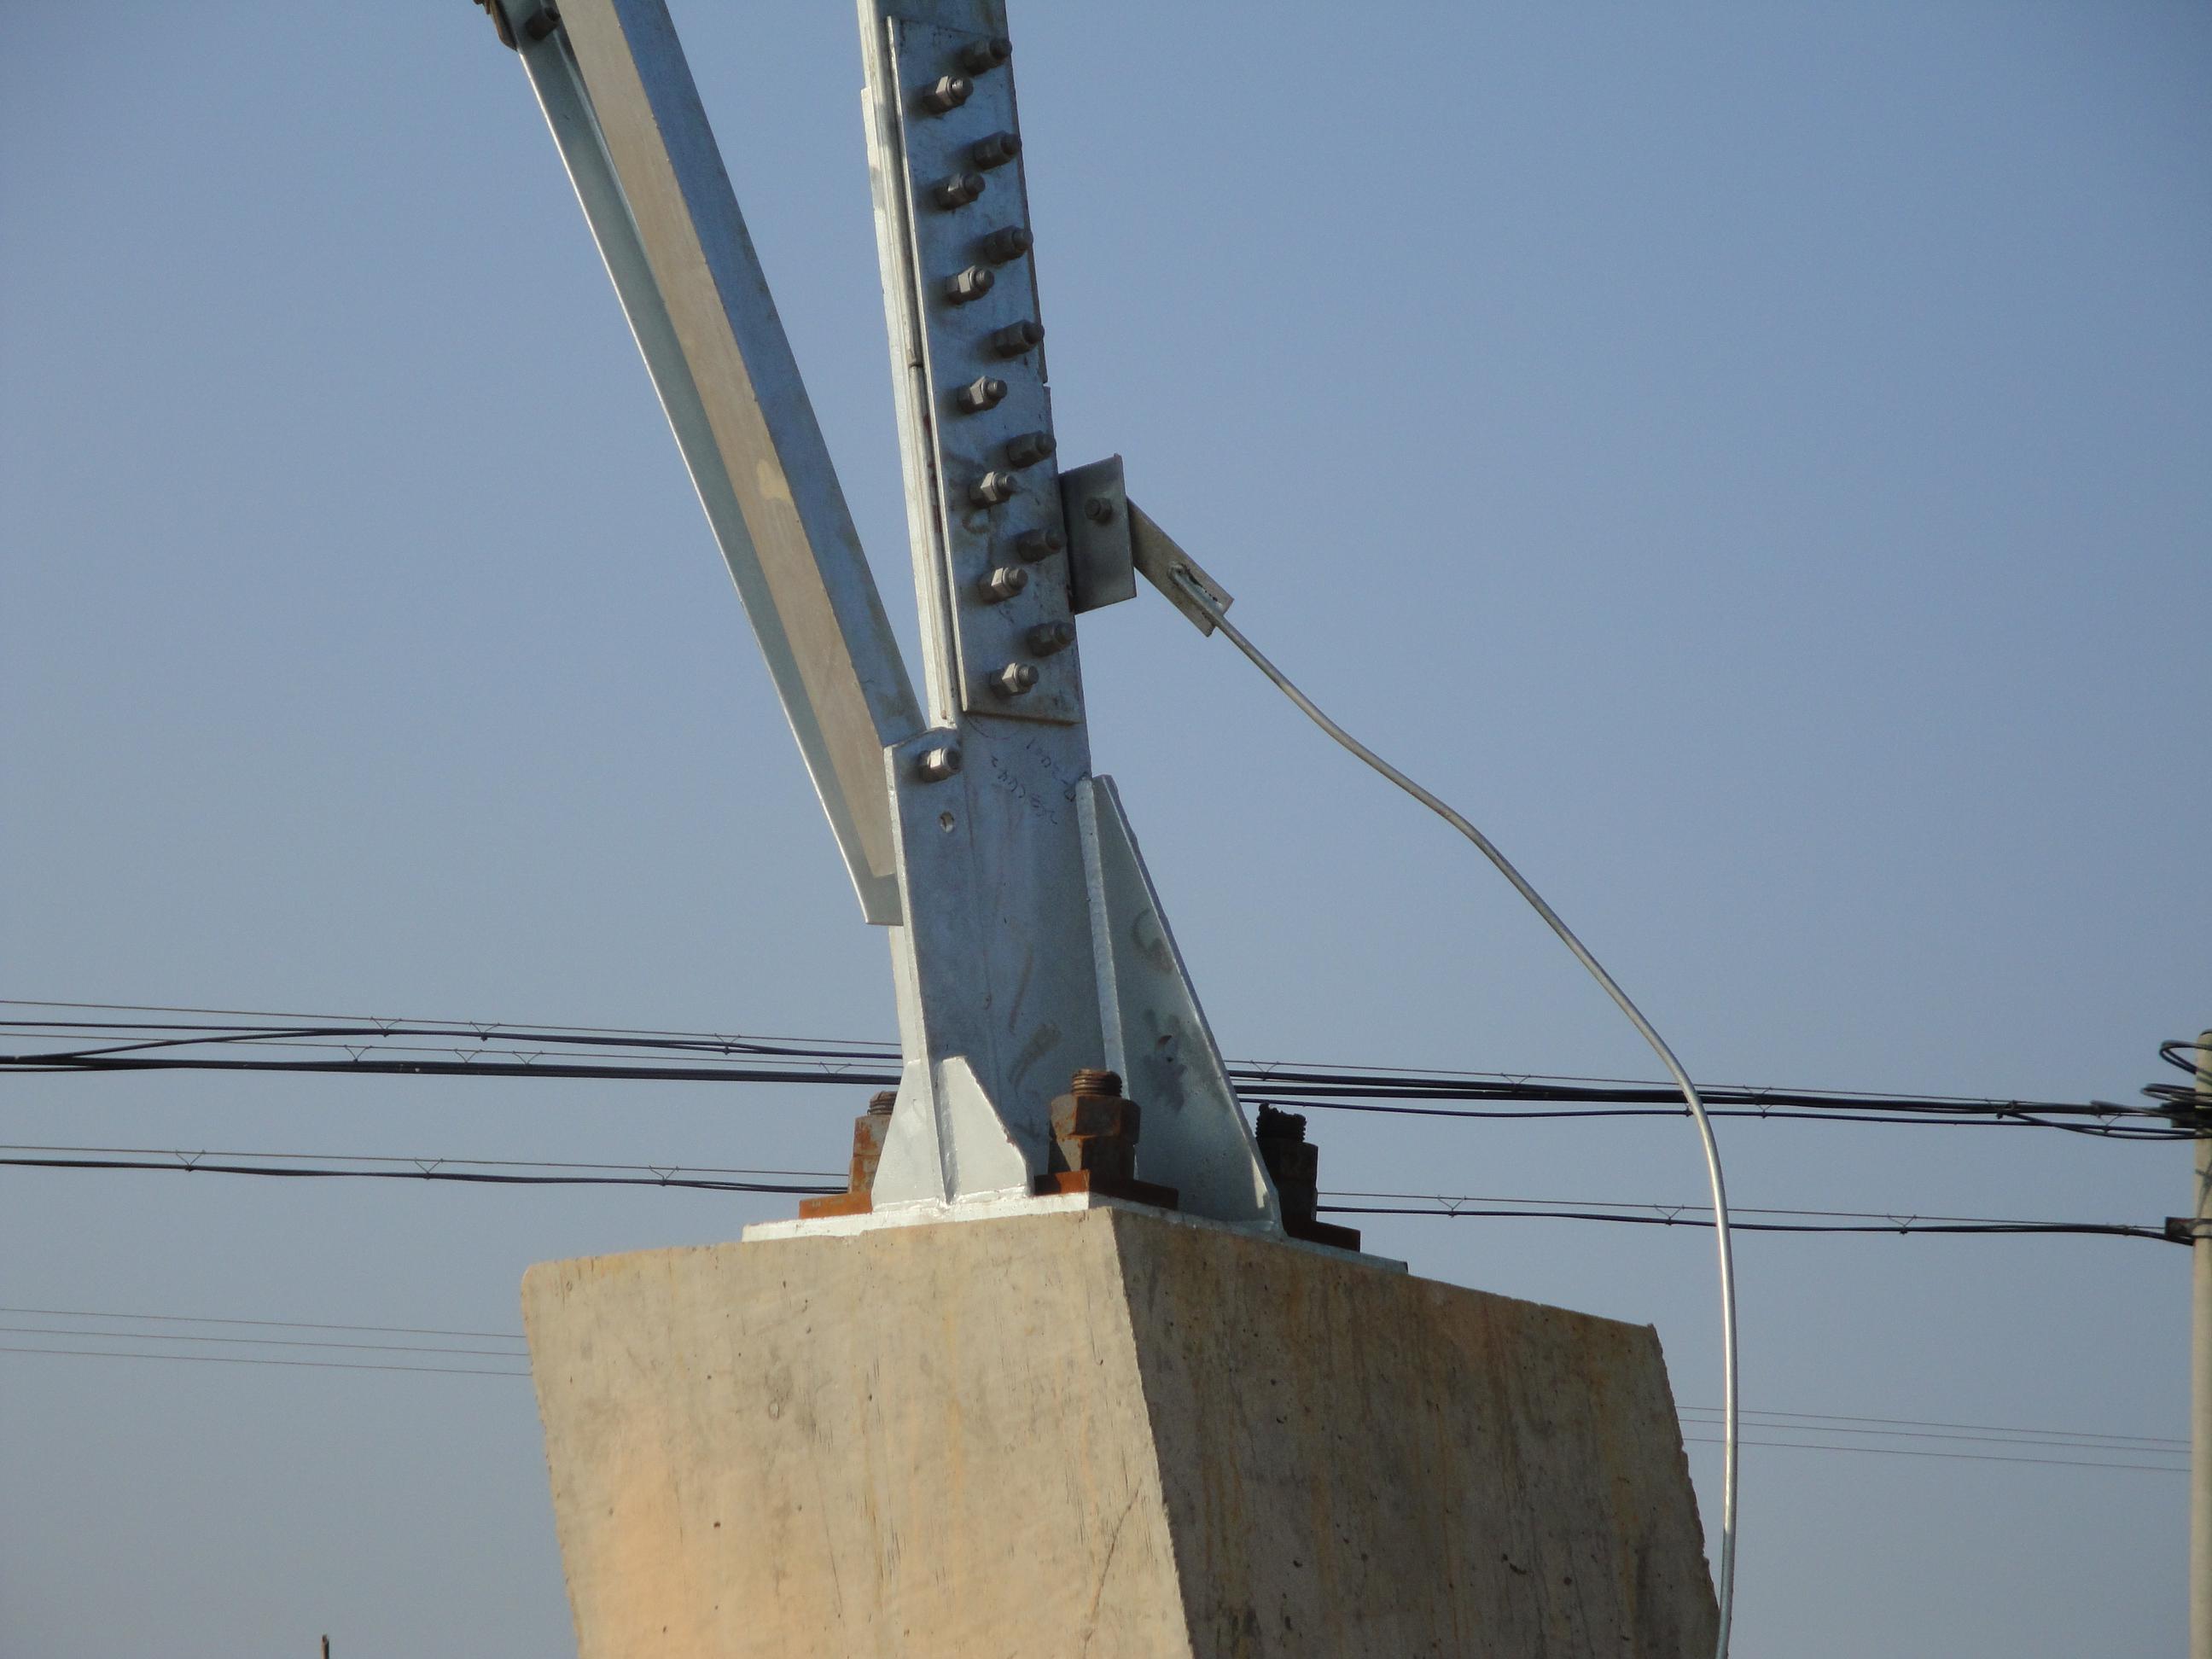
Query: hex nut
[1031, 449]
[1014, 680]
[939, 763]
[1046, 638]
[948, 94]
[995, 151]
[1005, 245]
[1017, 338]
[972, 283]
[979, 394]
[993, 489]
[1035, 544]
[983, 56]
[1003, 583]
[959, 191]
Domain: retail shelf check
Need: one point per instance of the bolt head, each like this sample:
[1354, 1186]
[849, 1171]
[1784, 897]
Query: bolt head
[1004, 582]
[972, 283]
[948, 93]
[1017, 338]
[1099, 510]
[1007, 244]
[960, 189]
[1029, 448]
[1046, 638]
[993, 489]
[979, 394]
[995, 151]
[984, 56]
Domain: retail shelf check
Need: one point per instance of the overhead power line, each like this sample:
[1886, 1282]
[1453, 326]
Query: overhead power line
[264, 1324]
[1969, 1457]
[1445, 1205]
[1902, 1225]
[253, 1341]
[245, 1041]
[239, 1359]
[421, 1171]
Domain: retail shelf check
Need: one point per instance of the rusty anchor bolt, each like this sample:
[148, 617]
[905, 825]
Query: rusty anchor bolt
[1094, 1129]
[870, 1130]
[1293, 1160]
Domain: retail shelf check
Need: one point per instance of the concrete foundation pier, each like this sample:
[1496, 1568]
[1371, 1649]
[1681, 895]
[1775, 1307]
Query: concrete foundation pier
[1071, 1426]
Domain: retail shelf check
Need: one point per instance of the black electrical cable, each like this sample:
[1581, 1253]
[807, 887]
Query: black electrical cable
[371, 1044]
[241, 1359]
[468, 1176]
[2115, 1229]
[444, 1169]
[1968, 1457]
[262, 1324]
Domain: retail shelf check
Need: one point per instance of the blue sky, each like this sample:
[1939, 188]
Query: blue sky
[1757, 461]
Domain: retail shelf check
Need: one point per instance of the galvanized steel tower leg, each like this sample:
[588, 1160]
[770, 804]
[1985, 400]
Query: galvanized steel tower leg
[1033, 943]
[1027, 942]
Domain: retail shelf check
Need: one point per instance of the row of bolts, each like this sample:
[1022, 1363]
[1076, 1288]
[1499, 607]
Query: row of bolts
[1002, 246]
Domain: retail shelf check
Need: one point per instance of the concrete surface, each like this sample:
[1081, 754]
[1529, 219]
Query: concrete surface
[1101, 1433]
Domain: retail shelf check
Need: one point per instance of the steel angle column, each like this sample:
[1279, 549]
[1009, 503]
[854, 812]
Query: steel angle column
[620, 100]
[960, 280]
[999, 997]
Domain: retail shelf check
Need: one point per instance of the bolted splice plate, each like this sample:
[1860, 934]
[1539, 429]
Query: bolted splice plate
[996, 478]
[1101, 564]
